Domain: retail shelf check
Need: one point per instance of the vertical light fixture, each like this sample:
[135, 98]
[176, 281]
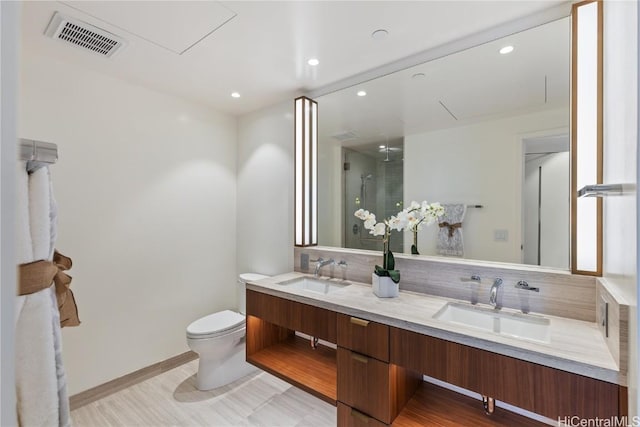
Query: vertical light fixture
[306, 172]
[586, 136]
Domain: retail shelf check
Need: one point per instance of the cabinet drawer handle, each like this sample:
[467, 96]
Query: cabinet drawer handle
[359, 415]
[359, 322]
[359, 358]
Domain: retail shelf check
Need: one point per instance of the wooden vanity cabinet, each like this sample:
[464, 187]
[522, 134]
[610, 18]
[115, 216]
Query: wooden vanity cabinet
[273, 346]
[536, 388]
[376, 369]
[368, 386]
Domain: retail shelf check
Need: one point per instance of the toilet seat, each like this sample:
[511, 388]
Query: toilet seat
[216, 324]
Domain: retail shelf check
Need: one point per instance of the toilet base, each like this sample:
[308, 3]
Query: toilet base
[213, 373]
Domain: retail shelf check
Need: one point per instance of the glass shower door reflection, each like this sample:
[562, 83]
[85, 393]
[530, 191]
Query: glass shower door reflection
[373, 184]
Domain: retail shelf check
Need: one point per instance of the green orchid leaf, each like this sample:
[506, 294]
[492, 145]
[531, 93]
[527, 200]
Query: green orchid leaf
[395, 275]
[381, 271]
[391, 262]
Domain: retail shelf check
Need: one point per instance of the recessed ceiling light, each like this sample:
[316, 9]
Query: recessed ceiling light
[506, 49]
[382, 146]
[235, 95]
[313, 62]
[418, 76]
[380, 34]
[361, 93]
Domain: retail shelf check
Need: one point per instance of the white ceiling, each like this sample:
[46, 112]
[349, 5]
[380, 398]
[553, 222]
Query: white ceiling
[205, 50]
[475, 84]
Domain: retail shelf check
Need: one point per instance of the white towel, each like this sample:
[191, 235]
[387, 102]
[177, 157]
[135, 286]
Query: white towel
[39, 213]
[450, 240]
[63, 396]
[36, 376]
[24, 248]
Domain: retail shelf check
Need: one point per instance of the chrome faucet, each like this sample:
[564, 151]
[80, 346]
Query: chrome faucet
[493, 294]
[321, 263]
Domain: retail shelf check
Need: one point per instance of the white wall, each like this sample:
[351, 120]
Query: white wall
[620, 163]
[9, 18]
[552, 190]
[265, 190]
[330, 189]
[147, 211]
[476, 164]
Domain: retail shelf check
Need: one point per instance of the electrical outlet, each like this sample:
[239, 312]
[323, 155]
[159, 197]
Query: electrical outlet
[304, 262]
[604, 316]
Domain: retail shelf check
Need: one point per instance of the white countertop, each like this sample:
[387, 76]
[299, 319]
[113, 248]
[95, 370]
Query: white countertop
[575, 346]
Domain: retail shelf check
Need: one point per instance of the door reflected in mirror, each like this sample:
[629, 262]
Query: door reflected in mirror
[475, 128]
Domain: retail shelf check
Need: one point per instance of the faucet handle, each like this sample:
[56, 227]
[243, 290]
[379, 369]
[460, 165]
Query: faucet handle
[525, 286]
[473, 278]
[342, 264]
[320, 259]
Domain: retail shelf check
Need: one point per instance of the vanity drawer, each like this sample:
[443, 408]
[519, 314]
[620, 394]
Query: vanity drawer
[363, 383]
[350, 417]
[363, 336]
[314, 321]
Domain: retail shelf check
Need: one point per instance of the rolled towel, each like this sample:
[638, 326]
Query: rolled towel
[36, 371]
[24, 247]
[64, 412]
[40, 384]
[450, 240]
[40, 214]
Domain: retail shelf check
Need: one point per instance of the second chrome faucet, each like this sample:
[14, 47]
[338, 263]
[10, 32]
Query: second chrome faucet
[493, 293]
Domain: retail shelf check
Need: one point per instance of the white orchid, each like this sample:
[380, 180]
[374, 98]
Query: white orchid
[415, 216]
[396, 223]
[419, 214]
[409, 219]
[380, 229]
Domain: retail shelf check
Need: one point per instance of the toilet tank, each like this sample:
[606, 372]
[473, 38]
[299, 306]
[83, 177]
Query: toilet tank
[242, 288]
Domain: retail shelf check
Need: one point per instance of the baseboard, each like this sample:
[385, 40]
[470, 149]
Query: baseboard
[85, 397]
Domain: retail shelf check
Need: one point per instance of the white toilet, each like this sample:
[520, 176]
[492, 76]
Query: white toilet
[219, 341]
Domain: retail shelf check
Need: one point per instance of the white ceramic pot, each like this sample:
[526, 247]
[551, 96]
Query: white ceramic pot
[384, 287]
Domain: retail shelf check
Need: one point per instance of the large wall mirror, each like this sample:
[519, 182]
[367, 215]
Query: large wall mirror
[486, 128]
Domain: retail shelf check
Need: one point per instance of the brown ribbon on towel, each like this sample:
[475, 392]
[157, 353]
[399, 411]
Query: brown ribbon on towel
[451, 227]
[38, 275]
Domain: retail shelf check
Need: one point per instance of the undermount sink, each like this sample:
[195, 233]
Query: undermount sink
[517, 325]
[318, 286]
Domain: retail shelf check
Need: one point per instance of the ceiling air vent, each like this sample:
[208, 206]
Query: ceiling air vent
[84, 35]
[345, 136]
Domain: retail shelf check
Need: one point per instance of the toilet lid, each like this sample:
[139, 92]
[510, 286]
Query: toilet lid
[251, 277]
[215, 324]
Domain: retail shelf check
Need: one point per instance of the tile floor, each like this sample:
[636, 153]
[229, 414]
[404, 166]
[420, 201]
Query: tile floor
[171, 399]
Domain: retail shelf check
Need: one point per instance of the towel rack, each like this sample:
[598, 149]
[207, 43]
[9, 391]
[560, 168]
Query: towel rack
[475, 206]
[600, 190]
[37, 153]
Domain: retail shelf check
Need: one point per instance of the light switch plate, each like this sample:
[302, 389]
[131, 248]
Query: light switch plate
[501, 235]
[304, 262]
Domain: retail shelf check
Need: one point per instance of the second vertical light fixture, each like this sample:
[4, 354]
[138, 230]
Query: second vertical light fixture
[306, 172]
